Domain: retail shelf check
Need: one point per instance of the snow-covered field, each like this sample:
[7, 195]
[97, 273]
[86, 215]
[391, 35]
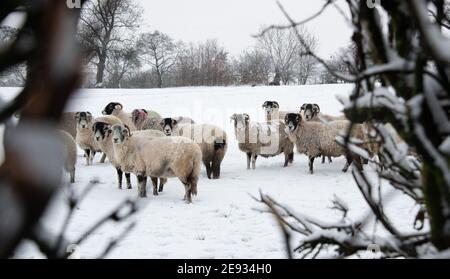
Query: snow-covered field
[222, 221]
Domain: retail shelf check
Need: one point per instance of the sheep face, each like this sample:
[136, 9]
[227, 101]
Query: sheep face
[240, 121]
[167, 125]
[292, 121]
[270, 107]
[138, 115]
[83, 119]
[309, 111]
[120, 133]
[101, 130]
[112, 108]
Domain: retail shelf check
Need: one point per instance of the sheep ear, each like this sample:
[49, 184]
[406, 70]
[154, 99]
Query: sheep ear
[247, 117]
[162, 122]
[265, 104]
[233, 117]
[77, 115]
[174, 122]
[89, 115]
[276, 105]
[144, 110]
[303, 107]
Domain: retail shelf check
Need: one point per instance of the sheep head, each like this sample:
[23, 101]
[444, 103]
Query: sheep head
[101, 130]
[270, 107]
[112, 108]
[292, 120]
[83, 118]
[168, 125]
[120, 133]
[309, 111]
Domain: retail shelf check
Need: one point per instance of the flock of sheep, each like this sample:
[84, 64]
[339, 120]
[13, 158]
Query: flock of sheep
[145, 144]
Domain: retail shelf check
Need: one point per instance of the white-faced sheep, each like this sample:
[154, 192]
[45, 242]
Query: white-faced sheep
[316, 139]
[272, 109]
[262, 139]
[116, 109]
[158, 157]
[70, 152]
[85, 136]
[211, 139]
[142, 121]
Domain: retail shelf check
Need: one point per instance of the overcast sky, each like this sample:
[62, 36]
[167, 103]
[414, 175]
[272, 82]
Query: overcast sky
[232, 22]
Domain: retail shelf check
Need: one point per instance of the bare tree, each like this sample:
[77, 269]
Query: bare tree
[160, 51]
[106, 25]
[253, 67]
[286, 52]
[121, 64]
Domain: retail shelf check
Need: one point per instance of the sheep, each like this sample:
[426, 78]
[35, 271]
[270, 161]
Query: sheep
[272, 111]
[102, 135]
[158, 157]
[211, 139]
[116, 109]
[265, 139]
[316, 139]
[311, 112]
[142, 121]
[85, 137]
[70, 153]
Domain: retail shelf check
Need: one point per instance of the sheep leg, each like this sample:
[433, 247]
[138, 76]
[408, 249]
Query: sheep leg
[72, 176]
[291, 157]
[119, 177]
[323, 159]
[103, 159]
[128, 178]
[311, 164]
[208, 169]
[155, 185]
[142, 186]
[92, 156]
[348, 163]
[329, 160]
[162, 181]
[254, 157]
[216, 170]
[187, 195]
[87, 155]
[286, 159]
[249, 157]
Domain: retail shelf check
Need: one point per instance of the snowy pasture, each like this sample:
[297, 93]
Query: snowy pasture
[222, 221]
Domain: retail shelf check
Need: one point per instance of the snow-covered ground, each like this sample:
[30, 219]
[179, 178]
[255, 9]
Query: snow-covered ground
[222, 221]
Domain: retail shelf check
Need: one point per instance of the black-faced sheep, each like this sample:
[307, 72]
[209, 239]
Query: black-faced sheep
[102, 135]
[311, 112]
[272, 109]
[85, 136]
[211, 139]
[70, 153]
[264, 139]
[316, 139]
[116, 109]
[158, 157]
[142, 121]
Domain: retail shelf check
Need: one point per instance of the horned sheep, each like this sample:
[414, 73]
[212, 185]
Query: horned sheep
[262, 139]
[158, 157]
[142, 121]
[316, 139]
